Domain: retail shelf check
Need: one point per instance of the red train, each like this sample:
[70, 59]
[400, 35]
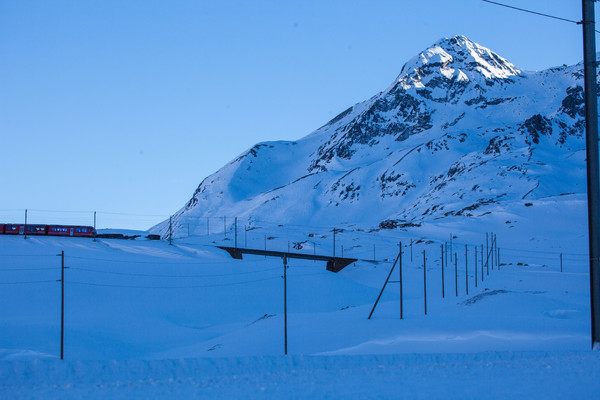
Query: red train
[47, 230]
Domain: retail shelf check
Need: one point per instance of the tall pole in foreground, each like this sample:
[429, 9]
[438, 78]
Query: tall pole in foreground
[285, 303]
[593, 178]
[25, 228]
[62, 303]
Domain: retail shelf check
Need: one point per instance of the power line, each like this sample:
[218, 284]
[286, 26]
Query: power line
[173, 276]
[30, 269]
[171, 287]
[161, 262]
[27, 255]
[533, 12]
[28, 282]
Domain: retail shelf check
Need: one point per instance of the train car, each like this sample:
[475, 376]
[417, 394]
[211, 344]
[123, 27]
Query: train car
[21, 229]
[65, 230]
[50, 230]
[14, 229]
[36, 229]
[84, 231]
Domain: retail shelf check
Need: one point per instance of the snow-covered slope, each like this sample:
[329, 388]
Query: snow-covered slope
[460, 132]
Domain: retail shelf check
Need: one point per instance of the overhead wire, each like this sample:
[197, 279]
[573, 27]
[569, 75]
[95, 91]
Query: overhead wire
[173, 276]
[172, 287]
[535, 12]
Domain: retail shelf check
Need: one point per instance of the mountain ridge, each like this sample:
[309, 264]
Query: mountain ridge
[459, 130]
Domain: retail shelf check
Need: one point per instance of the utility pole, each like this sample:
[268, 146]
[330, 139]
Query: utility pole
[593, 176]
[400, 282]
[466, 269]
[94, 225]
[170, 230]
[236, 232]
[334, 232]
[62, 303]
[25, 228]
[424, 282]
[443, 281]
[285, 304]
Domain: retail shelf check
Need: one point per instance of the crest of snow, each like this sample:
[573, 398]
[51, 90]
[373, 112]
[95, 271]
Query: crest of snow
[455, 58]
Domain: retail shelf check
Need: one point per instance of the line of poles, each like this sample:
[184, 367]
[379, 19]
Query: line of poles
[490, 259]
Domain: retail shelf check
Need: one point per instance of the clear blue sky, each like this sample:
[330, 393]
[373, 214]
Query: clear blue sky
[125, 106]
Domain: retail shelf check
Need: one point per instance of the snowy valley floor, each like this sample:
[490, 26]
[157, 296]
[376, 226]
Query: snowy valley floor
[145, 319]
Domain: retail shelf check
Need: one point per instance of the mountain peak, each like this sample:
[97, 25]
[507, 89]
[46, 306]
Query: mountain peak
[456, 58]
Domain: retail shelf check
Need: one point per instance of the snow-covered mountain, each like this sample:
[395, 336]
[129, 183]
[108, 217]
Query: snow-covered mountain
[460, 132]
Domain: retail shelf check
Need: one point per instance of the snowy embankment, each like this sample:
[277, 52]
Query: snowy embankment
[490, 375]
